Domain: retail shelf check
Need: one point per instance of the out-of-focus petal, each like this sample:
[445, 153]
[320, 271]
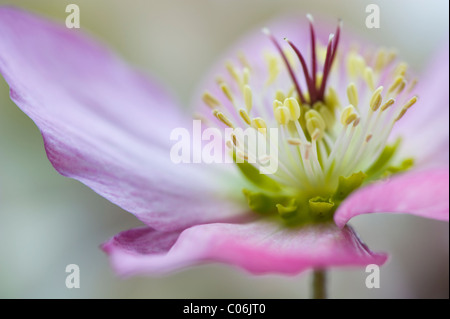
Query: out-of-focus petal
[105, 125]
[422, 193]
[258, 247]
[425, 128]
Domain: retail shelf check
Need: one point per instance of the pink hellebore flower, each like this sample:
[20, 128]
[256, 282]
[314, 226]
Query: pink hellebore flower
[339, 110]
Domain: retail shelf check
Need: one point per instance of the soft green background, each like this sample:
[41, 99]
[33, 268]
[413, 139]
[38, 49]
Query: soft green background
[48, 221]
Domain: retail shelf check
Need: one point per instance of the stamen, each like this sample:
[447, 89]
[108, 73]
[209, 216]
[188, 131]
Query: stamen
[210, 100]
[259, 124]
[380, 60]
[279, 95]
[376, 99]
[352, 94]
[405, 107]
[221, 117]
[387, 104]
[282, 115]
[401, 69]
[248, 98]
[244, 115]
[348, 115]
[226, 90]
[369, 78]
[246, 76]
[243, 59]
[293, 107]
[233, 72]
[397, 82]
[294, 141]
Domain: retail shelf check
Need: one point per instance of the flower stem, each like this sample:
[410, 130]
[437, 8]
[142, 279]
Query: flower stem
[319, 284]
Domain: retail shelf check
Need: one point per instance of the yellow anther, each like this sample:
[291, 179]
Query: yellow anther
[402, 112]
[248, 98]
[352, 94]
[219, 80]
[352, 117]
[321, 52]
[222, 117]
[292, 59]
[259, 124]
[401, 69]
[246, 76]
[380, 60]
[410, 103]
[356, 121]
[315, 128]
[412, 85]
[387, 104]
[332, 99]
[327, 116]
[234, 139]
[401, 87]
[348, 115]
[391, 56]
[229, 144]
[273, 67]
[397, 82]
[226, 90]
[313, 114]
[233, 72]
[293, 107]
[294, 141]
[210, 100]
[279, 95]
[375, 101]
[276, 104]
[243, 59]
[244, 115]
[282, 115]
[355, 65]
[369, 78]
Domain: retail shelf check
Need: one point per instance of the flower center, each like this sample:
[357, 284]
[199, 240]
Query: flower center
[333, 120]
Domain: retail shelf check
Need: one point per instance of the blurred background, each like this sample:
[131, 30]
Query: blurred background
[48, 221]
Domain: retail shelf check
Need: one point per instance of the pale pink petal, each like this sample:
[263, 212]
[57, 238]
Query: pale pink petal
[422, 193]
[425, 127]
[106, 125]
[258, 247]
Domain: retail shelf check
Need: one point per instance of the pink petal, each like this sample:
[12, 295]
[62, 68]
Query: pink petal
[425, 128]
[258, 247]
[424, 193]
[105, 125]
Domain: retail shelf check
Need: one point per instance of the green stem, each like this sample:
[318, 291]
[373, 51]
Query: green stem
[319, 284]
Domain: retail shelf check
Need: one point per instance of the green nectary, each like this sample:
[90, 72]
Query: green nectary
[270, 198]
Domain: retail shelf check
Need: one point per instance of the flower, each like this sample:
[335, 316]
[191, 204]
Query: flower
[107, 126]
